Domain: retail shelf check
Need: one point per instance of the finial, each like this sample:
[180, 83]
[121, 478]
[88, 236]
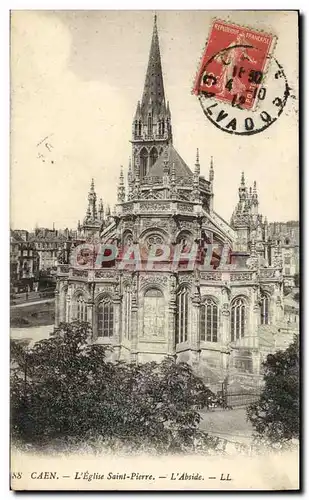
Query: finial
[155, 20]
[211, 169]
[197, 157]
[242, 178]
[92, 185]
[130, 172]
[173, 170]
[197, 164]
[121, 182]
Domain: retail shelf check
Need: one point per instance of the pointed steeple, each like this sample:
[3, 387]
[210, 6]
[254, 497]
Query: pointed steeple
[152, 125]
[153, 87]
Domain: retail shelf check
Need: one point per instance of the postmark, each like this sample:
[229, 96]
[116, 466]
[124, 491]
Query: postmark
[241, 86]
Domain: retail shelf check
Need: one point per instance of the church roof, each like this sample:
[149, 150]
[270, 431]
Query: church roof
[173, 157]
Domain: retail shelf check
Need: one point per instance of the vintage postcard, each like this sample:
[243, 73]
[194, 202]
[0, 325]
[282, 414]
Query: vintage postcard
[154, 250]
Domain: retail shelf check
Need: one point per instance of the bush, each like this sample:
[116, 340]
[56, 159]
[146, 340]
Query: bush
[275, 416]
[65, 389]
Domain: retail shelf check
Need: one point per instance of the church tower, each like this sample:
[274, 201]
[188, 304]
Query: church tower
[151, 130]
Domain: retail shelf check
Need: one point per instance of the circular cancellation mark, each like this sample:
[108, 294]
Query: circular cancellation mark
[240, 100]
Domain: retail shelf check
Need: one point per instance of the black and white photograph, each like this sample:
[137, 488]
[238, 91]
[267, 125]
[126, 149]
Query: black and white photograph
[154, 250]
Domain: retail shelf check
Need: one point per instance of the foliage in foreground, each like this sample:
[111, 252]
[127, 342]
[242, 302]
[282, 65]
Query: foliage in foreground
[64, 389]
[275, 416]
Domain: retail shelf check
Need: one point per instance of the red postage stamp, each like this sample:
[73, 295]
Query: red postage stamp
[233, 64]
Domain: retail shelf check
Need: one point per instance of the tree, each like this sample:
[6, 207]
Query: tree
[65, 388]
[275, 416]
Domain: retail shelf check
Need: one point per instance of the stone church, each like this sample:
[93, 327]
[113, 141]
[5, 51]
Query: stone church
[213, 316]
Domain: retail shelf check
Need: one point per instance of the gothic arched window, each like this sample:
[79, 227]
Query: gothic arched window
[153, 156]
[127, 297]
[154, 313]
[143, 162]
[182, 315]
[105, 318]
[238, 319]
[81, 308]
[265, 310]
[209, 321]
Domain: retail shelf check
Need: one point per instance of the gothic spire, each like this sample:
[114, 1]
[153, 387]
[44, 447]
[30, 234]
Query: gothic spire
[153, 87]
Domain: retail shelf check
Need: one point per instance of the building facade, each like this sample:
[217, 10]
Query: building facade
[286, 234]
[24, 260]
[214, 314]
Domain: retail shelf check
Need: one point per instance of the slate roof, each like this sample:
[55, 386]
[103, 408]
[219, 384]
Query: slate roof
[181, 168]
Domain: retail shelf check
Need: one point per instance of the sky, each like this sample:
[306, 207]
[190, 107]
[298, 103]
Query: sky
[76, 77]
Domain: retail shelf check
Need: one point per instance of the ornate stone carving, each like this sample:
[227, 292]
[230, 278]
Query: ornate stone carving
[108, 288]
[184, 181]
[267, 273]
[184, 195]
[185, 278]
[127, 207]
[155, 223]
[154, 279]
[172, 282]
[225, 311]
[64, 268]
[81, 273]
[215, 276]
[185, 207]
[155, 207]
[104, 274]
[241, 277]
[152, 194]
[154, 239]
[184, 224]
